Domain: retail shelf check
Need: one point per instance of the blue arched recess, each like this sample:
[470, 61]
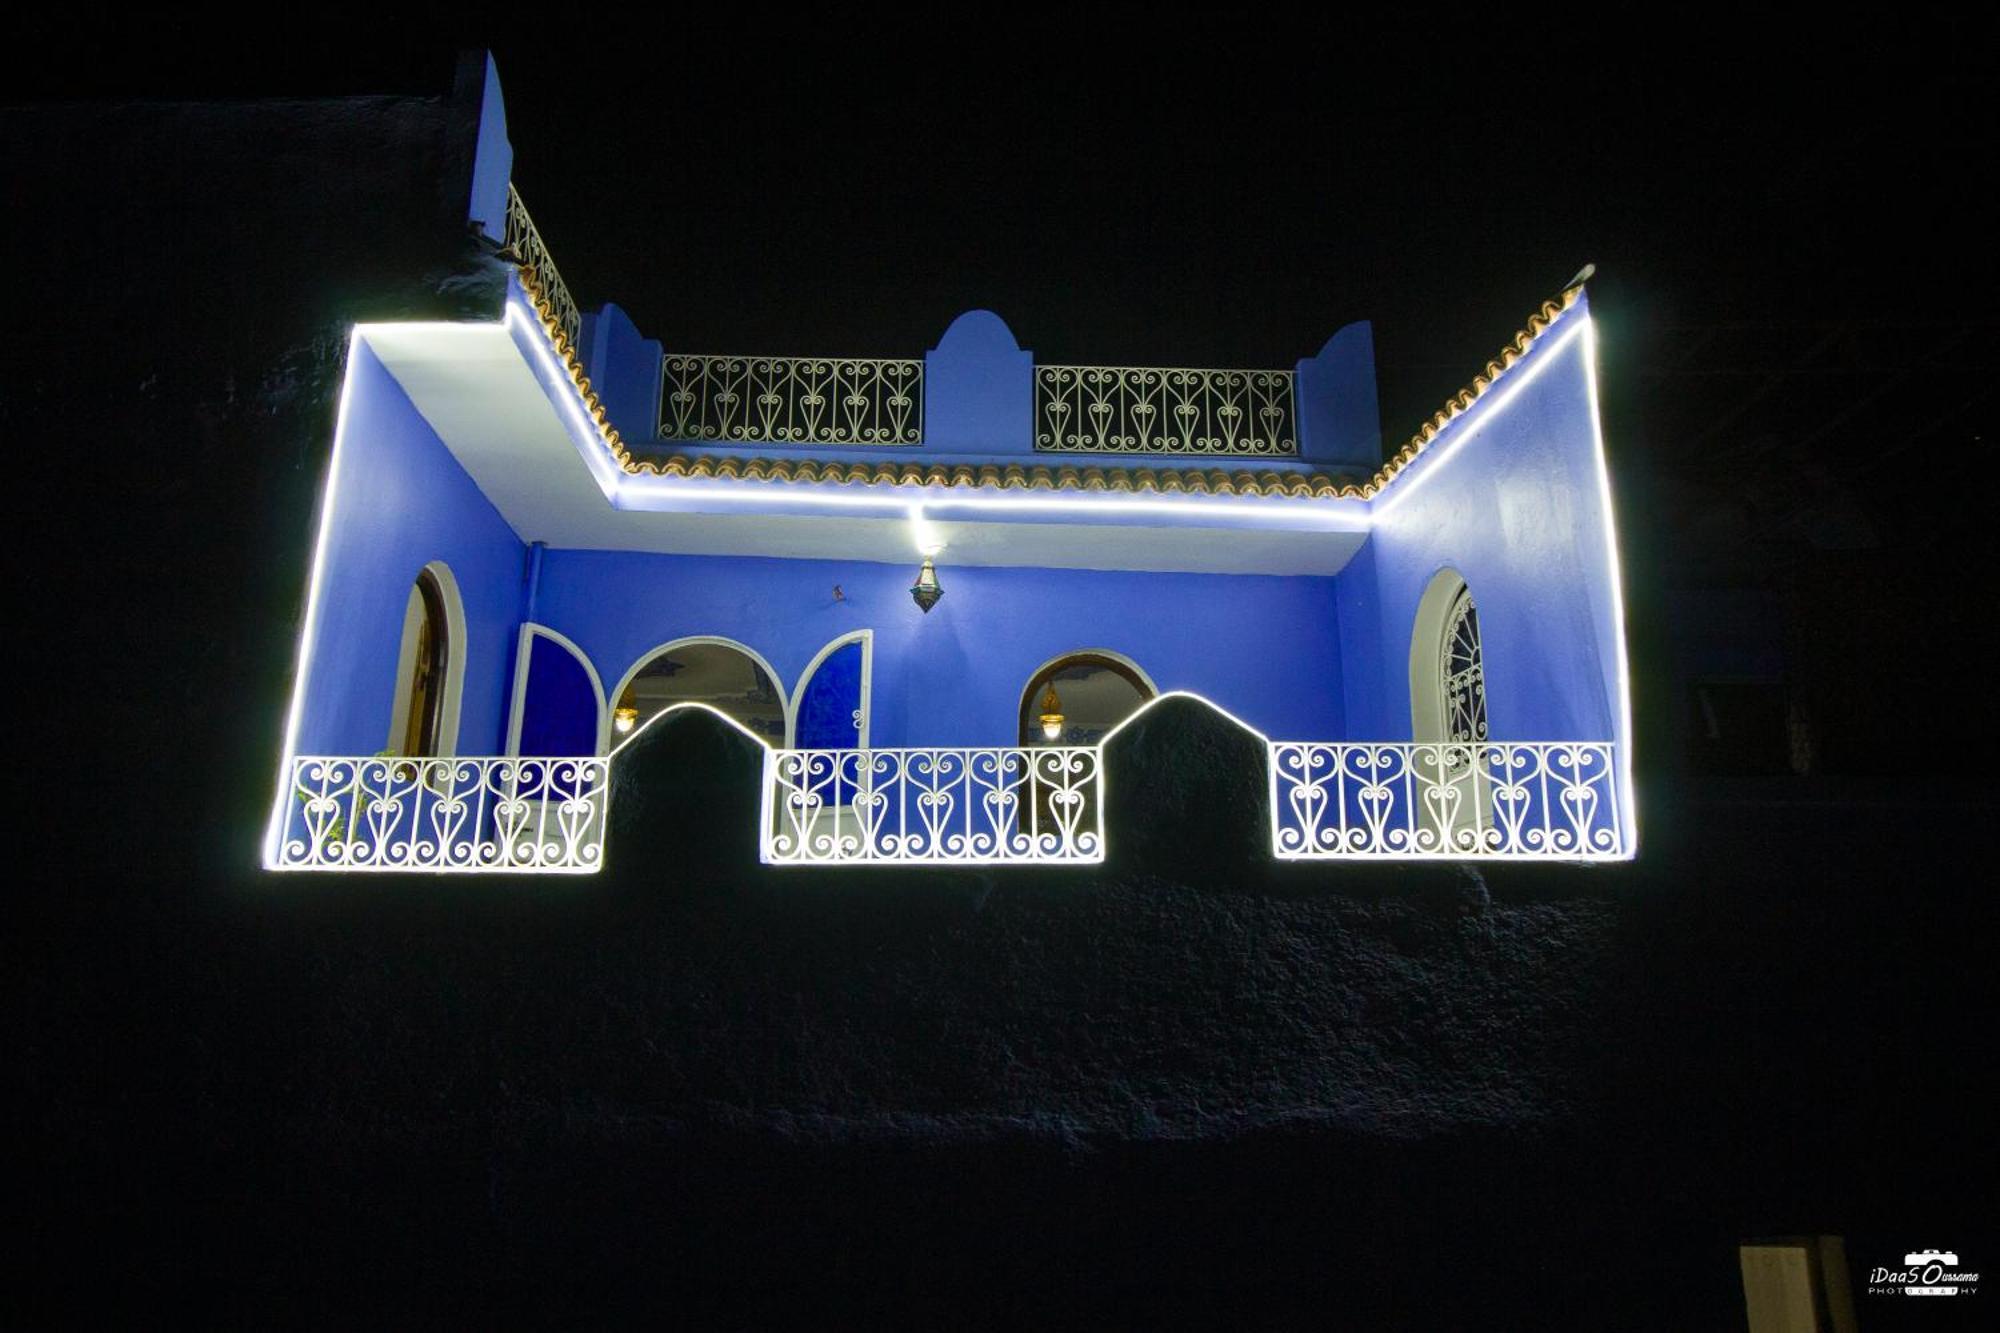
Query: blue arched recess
[559, 712]
[831, 700]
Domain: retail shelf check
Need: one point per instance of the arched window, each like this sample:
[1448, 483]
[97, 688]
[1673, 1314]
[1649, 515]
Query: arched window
[1079, 697]
[1451, 765]
[430, 668]
[1462, 672]
[1447, 664]
[722, 675]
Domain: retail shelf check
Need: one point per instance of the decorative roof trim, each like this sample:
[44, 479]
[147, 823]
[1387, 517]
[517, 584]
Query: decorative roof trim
[1461, 402]
[1012, 476]
[1040, 477]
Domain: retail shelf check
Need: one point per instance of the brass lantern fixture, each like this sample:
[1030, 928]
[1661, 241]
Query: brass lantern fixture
[1052, 714]
[624, 719]
[926, 590]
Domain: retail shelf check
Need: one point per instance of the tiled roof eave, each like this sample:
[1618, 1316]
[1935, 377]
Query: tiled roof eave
[1053, 476]
[1461, 402]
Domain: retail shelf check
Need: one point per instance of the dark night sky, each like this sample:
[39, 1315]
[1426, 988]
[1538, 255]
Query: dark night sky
[1206, 192]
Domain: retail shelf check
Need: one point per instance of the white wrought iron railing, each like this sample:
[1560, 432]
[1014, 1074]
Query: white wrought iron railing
[1450, 801]
[525, 244]
[933, 806]
[393, 814]
[1165, 410]
[1547, 800]
[792, 400]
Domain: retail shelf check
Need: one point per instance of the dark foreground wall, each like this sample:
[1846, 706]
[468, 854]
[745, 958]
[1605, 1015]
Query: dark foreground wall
[1187, 989]
[1193, 1084]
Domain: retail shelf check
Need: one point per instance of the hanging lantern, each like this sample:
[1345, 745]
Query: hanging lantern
[926, 590]
[1052, 716]
[624, 719]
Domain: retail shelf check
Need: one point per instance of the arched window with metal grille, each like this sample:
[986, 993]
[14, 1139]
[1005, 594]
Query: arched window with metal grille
[1462, 672]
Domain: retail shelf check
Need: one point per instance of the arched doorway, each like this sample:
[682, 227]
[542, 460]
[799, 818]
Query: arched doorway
[1076, 700]
[715, 673]
[1094, 691]
[430, 667]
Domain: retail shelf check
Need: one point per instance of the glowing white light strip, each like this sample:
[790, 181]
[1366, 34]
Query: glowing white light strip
[640, 730]
[895, 501]
[1615, 578]
[1159, 699]
[1406, 482]
[596, 452]
[281, 804]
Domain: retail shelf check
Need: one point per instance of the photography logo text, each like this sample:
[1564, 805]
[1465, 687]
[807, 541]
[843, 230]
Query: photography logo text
[1924, 1273]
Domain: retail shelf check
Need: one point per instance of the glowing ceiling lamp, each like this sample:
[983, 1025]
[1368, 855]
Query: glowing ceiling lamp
[624, 719]
[1052, 714]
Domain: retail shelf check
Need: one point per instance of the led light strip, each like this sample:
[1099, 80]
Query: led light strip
[590, 441]
[1461, 431]
[1615, 576]
[684, 706]
[281, 804]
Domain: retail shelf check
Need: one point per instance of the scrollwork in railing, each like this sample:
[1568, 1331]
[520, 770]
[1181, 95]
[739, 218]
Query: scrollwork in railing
[1156, 410]
[1449, 800]
[933, 806]
[792, 400]
[445, 815]
[524, 243]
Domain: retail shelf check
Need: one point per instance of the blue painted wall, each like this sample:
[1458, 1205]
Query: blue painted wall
[493, 156]
[1265, 648]
[979, 389]
[625, 370]
[401, 501]
[1340, 424]
[1513, 506]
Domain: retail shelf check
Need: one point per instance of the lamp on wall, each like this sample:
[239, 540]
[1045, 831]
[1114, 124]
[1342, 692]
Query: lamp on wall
[926, 590]
[624, 719]
[1052, 716]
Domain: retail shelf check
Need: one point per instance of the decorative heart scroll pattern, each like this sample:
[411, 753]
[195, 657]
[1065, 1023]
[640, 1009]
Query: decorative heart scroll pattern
[445, 815]
[792, 400]
[1165, 410]
[1448, 801]
[933, 806]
